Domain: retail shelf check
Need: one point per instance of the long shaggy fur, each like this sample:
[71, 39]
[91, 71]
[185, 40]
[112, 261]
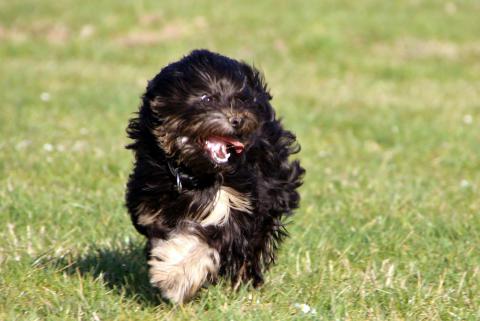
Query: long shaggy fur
[204, 219]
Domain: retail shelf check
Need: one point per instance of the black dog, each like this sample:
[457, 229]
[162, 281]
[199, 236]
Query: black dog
[212, 179]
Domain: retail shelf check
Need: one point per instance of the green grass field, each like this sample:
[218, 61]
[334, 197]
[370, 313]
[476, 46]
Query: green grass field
[383, 95]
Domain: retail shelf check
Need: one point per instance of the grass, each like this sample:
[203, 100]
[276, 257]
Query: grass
[383, 95]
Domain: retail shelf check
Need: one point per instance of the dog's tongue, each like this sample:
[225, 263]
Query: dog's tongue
[216, 147]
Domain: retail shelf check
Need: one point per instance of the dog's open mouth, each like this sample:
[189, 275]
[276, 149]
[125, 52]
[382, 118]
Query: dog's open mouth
[218, 148]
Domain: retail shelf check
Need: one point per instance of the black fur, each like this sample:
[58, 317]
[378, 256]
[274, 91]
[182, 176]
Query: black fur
[202, 95]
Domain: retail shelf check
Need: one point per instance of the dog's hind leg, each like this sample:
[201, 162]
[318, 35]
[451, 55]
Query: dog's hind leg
[240, 277]
[181, 264]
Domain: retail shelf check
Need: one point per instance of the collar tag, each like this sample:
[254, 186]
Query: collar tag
[176, 174]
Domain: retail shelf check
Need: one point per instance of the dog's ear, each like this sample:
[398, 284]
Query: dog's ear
[268, 111]
[256, 81]
[152, 99]
[281, 176]
[155, 103]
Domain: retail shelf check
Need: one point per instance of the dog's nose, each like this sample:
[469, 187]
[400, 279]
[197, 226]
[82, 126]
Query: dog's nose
[236, 121]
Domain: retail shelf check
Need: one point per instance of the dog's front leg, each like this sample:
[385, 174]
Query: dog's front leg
[181, 264]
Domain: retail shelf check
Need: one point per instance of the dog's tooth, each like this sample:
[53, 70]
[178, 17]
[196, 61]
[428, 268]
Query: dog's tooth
[217, 150]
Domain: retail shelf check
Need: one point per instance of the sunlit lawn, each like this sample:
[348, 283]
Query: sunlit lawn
[383, 95]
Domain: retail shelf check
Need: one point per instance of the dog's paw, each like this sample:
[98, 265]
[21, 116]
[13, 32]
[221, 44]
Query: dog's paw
[181, 265]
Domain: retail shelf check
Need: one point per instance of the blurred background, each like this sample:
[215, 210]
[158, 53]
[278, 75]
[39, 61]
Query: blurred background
[384, 97]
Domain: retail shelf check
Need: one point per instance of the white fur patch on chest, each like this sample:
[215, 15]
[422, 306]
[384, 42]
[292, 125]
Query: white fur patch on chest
[226, 199]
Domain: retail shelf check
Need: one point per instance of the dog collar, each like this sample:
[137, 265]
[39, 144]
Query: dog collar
[176, 175]
[181, 178]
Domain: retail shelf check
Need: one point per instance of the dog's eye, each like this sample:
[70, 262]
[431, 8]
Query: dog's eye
[206, 98]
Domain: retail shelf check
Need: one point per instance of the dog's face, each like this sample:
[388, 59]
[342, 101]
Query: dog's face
[208, 110]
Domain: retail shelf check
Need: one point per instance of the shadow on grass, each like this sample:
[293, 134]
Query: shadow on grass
[122, 268]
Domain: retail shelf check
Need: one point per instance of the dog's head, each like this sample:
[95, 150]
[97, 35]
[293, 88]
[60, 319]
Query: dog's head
[205, 111]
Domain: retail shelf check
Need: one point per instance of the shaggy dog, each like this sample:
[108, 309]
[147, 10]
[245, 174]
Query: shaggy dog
[212, 179]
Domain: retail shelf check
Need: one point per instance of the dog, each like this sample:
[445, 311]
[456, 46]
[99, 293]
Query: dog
[212, 180]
